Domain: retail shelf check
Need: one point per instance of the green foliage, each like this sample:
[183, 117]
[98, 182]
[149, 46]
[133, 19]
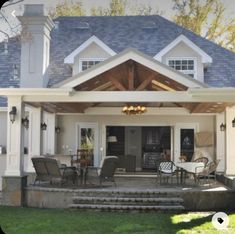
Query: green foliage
[206, 18]
[67, 8]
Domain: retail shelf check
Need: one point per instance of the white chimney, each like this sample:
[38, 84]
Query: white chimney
[35, 46]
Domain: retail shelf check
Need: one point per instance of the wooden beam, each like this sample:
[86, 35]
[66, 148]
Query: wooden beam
[131, 74]
[163, 86]
[145, 83]
[117, 84]
[103, 86]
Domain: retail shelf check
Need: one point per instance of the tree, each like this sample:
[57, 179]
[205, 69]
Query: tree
[207, 19]
[67, 9]
[116, 7]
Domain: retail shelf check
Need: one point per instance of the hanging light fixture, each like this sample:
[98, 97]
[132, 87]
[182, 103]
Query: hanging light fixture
[25, 122]
[134, 109]
[43, 126]
[222, 127]
[12, 114]
[57, 129]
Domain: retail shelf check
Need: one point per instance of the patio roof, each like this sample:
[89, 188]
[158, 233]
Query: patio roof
[129, 77]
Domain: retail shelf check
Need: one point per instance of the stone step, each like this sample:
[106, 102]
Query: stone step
[102, 207]
[126, 194]
[129, 200]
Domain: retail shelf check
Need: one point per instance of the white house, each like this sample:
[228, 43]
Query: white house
[78, 73]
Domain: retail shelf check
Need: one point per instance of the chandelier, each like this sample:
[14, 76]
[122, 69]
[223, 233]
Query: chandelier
[134, 110]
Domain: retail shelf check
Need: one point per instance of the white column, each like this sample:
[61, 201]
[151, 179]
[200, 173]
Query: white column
[230, 142]
[220, 142]
[34, 147]
[15, 154]
[49, 135]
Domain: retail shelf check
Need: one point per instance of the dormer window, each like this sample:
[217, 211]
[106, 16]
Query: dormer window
[87, 63]
[184, 65]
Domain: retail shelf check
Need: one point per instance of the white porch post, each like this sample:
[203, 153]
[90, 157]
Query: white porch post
[15, 155]
[220, 142]
[49, 135]
[230, 136]
[34, 137]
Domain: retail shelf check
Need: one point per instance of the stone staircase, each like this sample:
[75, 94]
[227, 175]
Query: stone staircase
[127, 201]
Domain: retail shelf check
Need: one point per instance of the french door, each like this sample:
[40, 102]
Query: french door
[87, 138]
[184, 140]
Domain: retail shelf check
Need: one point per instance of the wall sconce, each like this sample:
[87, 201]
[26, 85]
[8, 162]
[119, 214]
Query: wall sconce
[43, 126]
[57, 129]
[12, 114]
[233, 123]
[223, 127]
[25, 122]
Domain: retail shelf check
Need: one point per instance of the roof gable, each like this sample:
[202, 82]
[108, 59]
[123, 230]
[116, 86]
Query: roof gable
[206, 59]
[93, 39]
[126, 55]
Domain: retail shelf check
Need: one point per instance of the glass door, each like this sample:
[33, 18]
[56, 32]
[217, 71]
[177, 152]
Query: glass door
[184, 141]
[88, 140]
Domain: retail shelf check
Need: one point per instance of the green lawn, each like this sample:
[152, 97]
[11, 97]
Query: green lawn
[29, 220]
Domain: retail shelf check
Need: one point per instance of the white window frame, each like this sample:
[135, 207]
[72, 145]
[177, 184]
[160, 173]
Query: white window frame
[186, 72]
[81, 60]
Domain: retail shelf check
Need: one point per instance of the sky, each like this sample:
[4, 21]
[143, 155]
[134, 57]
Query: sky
[164, 6]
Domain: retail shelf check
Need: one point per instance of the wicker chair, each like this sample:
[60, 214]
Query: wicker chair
[202, 159]
[208, 172]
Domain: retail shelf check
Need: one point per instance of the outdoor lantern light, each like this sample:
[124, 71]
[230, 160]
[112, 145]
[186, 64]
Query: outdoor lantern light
[12, 114]
[57, 129]
[25, 122]
[233, 123]
[43, 126]
[222, 127]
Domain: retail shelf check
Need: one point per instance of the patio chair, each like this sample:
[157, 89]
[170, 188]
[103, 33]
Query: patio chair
[167, 169]
[202, 159]
[48, 169]
[107, 169]
[208, 172]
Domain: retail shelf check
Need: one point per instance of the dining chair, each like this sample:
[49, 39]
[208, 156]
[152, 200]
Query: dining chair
[167, 169]
[208, 172]
[202, 159]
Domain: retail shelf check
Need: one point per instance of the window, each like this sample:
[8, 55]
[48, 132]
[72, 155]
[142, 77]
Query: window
[85, 64]
[185, 65]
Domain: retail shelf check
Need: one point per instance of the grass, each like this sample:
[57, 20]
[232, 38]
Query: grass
[29, 220]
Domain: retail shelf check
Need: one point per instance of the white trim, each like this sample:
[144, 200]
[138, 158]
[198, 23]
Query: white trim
[131, 54]
[186, 72]
[206, 59]
[88, 60]
[70, 58]
[3, 109]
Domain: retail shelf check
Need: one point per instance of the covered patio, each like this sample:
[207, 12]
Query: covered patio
[94, 99]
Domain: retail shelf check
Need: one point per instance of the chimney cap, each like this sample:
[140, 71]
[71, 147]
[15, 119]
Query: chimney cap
[34, 10]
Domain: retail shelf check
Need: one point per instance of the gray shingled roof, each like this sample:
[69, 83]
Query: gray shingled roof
[148, 34]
